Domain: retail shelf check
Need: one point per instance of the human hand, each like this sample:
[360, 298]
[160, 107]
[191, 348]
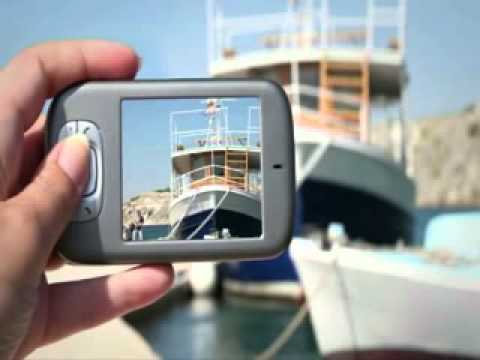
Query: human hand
[39, 195]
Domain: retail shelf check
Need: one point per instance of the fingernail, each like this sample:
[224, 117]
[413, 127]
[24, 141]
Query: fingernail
[74, 159]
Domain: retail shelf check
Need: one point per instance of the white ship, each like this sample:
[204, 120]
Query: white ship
[216, 180]
[337, 69]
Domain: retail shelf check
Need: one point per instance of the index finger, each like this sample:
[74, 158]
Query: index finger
[40, 72]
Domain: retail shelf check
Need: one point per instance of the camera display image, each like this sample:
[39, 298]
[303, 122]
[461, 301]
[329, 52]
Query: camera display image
[191, 169]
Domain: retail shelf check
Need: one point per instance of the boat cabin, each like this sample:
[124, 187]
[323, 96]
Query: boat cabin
[210, 153]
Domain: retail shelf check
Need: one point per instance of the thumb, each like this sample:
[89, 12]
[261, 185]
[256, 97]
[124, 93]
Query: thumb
[39, 214]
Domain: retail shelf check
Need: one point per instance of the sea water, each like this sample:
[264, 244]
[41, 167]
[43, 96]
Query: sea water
[185, 327]
[153, 232]
[230, 327]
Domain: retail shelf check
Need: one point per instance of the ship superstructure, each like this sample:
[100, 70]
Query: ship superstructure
[216, 178]
[340, 67]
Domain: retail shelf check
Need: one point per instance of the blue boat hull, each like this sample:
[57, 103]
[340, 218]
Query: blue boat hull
[238, 224]
[279, 269]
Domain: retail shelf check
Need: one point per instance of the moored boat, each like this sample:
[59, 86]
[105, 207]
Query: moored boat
[371, 302]
[338, 70]
[216, 180]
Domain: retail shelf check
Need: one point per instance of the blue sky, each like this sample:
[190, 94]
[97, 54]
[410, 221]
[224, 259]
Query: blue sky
[170, 35]
[146, 141]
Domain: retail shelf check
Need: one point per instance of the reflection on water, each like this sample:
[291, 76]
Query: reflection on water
[181, 327]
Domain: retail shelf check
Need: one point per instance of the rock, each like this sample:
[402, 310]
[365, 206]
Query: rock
[443, 156]
[152, 205]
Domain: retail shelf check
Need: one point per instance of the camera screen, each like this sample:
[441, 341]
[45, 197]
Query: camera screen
[191, 169]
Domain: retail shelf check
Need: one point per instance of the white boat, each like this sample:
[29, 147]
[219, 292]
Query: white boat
[216, 181]
[396, 303]
[337, 69]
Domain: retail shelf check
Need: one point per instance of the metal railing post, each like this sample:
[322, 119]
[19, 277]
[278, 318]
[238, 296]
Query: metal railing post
[295, 82]
[403, 132]
[308, 30]
[285, 27]
[402, 26]
[249, 124]
[226, 128]
[370, 25]
[211, 30]
[219, 34]
[324, 26]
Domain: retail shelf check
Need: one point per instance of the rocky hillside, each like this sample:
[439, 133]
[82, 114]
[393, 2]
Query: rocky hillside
[152, 205]
[443, 157]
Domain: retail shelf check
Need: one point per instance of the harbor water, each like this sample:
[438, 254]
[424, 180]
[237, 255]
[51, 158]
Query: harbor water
[152, 232]
[184, 327]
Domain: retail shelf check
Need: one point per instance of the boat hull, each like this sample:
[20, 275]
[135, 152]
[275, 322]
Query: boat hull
[385, 302]
[364, 216]
[355, 184]
[350, 183]
[275, 278]
[239, 225]
[213, 209]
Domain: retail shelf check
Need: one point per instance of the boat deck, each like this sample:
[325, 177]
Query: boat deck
[386, 66]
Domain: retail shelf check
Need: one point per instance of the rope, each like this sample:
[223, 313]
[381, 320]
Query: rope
[285, 335]
[207, 219]
[174, 229]
[310, 164]
[297, 320]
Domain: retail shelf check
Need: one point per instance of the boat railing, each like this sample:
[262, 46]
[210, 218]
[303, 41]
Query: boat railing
[296, 91]
[216, 175]
[306, 99]
[214, 138]
[314, 25]
[197, 129]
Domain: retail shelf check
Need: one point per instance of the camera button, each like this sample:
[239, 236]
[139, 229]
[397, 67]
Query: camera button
[87, 210]
[91, 200]
[90, 131]
[67, 130]
[92, 176]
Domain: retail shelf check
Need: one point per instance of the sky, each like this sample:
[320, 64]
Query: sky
[146, 135]
[170, 36]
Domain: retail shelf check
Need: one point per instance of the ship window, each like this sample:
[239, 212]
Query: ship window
[219, 163]
[309, 77]
[197, 163]
[280, 74]
[219, 171]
